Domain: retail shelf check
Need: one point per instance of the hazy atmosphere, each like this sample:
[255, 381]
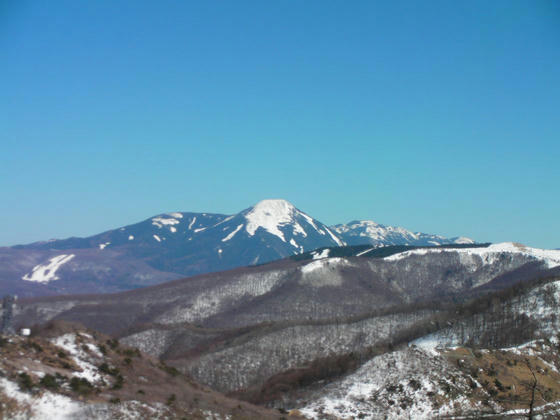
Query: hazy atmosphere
[437, 116]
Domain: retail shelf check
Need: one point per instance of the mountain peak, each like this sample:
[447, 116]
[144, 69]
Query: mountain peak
[270, 214]
[274, 205]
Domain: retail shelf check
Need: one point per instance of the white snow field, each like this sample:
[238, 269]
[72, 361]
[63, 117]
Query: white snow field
[43, 273]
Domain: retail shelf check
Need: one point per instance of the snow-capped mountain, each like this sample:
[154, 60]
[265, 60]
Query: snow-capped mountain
[274, 224]
[178, 244]
[360, 232]
[161, 248]
[287, 230]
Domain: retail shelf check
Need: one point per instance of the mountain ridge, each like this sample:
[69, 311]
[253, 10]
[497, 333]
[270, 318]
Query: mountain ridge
[358, 232]
[180, 244]
[274, 210]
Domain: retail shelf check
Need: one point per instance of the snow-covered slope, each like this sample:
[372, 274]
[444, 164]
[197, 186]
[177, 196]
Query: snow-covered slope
[425, 383]
[491, 253]
[360, 232]
[480, 363]
[68, 373]
[403, 384]
[273, 215]
[43, 273]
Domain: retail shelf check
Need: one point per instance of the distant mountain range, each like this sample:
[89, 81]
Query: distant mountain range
[174, 245]
[360, 232]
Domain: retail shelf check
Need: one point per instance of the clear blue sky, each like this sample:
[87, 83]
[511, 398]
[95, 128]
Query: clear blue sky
[439, 116]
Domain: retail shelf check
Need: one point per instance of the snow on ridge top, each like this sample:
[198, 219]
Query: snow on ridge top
[343, 228]
[270, 214]
[374, 230]
[550, 257]
[161, 221]
[323, 263]
[463, 240]
[365, 223]
[319, 255]
[507, 247]
[176, 215]
[43, 273]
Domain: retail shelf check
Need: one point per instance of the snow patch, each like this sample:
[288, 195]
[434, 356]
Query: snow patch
[103, 246]
[176, 215]
[323, 272]
[334, 238]
[299, 230]
[161, 221]
[323, 263]
[232, 234]
[428, 344]
[130, 237]
[364, 252]
[227, 219]
[157, 238]
[43, 273]
[323, 254]
[46, 406]
[89, 371]
[310, 221]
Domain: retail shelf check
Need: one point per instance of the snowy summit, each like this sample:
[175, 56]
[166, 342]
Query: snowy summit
[269, 215]
[273, 214]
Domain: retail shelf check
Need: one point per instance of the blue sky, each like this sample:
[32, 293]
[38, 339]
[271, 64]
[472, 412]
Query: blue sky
[438, 116]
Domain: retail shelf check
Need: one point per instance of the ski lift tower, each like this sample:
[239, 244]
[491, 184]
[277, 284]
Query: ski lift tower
[7, 315]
